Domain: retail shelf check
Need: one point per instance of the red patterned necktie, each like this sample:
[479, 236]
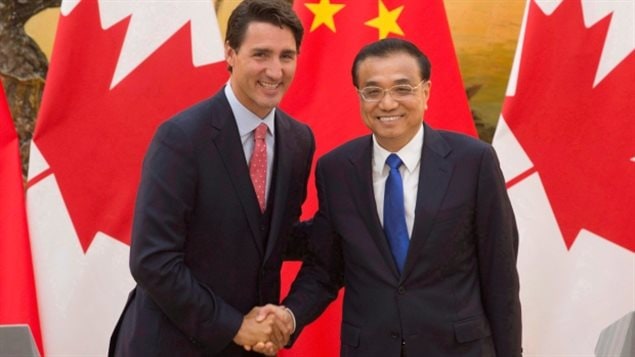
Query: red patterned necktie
[258, 164]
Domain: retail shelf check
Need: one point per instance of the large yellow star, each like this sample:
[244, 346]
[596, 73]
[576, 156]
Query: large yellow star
[386, 22]
[324, 12]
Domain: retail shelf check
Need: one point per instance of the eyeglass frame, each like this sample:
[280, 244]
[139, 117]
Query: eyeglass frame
[389, 90]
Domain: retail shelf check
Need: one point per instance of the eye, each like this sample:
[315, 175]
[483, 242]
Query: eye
[372, 92]
[288, 56]
[402, 90]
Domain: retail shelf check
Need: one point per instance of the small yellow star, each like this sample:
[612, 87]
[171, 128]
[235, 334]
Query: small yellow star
[386, 22]
[324, 12]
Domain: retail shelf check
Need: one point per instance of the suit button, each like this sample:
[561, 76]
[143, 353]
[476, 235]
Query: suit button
[263, 228]
[394, 335]
[401, 290]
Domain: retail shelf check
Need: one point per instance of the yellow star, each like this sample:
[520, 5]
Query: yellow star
[324, 12]
[386, 22]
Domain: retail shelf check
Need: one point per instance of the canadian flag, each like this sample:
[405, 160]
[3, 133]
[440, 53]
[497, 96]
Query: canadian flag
[567, 149]
[18, 301]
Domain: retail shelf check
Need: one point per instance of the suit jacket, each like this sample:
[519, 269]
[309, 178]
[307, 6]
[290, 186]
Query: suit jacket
[458, 293]
[202, 253]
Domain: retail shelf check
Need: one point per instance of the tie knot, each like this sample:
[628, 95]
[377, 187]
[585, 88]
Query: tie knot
[393, 161]
[260, 131]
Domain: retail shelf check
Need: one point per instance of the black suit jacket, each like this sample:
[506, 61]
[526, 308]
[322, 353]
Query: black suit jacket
[458, 294]
[201, 252]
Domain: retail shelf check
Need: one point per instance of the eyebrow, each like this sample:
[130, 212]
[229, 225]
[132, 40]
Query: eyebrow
[259, 49]
[269, 51]
[403, 81]
[394, 83]
[290, 52]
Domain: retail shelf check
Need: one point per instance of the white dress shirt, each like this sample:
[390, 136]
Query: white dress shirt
[410, 155]
[247, 122]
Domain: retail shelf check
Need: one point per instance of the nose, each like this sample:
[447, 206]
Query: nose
[387, 102]
[274, 69]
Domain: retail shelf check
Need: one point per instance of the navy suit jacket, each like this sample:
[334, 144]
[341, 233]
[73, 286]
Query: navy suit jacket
[202, 254]
[458, 294]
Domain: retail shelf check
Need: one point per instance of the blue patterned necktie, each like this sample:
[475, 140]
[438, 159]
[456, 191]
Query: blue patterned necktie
[395, 226]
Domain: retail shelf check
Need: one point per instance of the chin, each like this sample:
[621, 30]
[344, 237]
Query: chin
[271, 102]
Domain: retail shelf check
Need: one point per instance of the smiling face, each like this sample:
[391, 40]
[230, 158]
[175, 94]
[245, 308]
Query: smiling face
[263, 67]
[394, 123]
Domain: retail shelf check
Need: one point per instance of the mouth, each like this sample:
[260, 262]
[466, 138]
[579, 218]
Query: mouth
[389, 118]
[269, 85]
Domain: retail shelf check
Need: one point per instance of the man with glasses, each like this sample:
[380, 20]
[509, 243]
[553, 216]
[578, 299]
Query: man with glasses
[415, 223]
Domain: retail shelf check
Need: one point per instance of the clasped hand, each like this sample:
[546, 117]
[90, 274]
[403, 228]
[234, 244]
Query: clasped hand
[265, 329]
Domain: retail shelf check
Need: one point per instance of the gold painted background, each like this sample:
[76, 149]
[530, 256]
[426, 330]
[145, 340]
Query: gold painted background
[485, 33]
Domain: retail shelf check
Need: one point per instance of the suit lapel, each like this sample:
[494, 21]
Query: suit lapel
[227, 141]
[434, 177]
[285, 151]
[363, 193]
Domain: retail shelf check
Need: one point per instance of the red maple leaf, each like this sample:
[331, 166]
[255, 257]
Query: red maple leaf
[580, 138]
[94, 138]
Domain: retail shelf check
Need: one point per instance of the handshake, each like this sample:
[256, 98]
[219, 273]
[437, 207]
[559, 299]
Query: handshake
[266, 329]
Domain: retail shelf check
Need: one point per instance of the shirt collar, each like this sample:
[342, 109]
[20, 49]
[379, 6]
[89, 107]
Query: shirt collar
[410, 154]
[246, 120]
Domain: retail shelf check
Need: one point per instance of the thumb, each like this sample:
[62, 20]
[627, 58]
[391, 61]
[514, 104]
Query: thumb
[261, 314]
[264, 311]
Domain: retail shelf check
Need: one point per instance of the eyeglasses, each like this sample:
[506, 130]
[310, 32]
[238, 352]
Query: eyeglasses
[374, 94]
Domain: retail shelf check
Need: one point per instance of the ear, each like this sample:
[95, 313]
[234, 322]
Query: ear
[230, 54]
[425, 93]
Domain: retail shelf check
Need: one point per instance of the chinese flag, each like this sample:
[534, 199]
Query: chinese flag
[18, 302]
[566, 145]
[118, 69]
[323, 95]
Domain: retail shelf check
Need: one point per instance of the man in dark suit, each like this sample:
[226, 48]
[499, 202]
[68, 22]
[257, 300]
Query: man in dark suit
[222, 187]
[416, 224]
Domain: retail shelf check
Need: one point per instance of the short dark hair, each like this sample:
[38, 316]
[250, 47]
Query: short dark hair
[275, 12]
[388, 46]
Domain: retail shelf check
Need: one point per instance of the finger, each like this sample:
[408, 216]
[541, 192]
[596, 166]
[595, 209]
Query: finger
[271, 349]
[276, 335]
[260, 347]
[282, 333]
[284, 323]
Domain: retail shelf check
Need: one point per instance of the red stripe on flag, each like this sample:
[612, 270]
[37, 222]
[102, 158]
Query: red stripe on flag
[39, 177]
[520, 177]
[18, 301]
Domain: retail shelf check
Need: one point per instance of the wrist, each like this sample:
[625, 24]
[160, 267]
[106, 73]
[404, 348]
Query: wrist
[292, 317]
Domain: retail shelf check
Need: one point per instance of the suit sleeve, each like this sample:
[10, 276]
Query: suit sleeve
[298, 242]
[165, 202]
[497, 240]
[320, 277]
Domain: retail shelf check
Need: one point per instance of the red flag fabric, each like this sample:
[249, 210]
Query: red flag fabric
[323, 95]
[17, 286]
[118, 69]
[565, 140]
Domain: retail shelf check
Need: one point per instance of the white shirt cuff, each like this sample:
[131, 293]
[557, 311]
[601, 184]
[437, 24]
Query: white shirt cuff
[292, 317]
